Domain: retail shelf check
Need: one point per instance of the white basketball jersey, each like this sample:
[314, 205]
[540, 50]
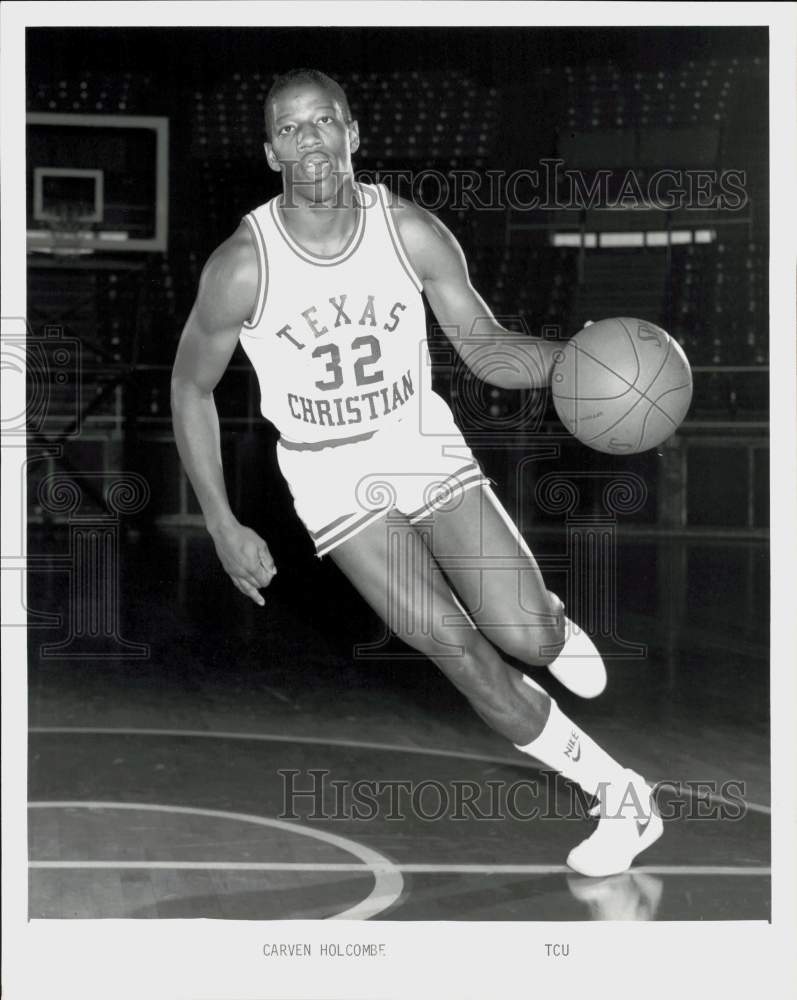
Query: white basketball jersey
[338, 343]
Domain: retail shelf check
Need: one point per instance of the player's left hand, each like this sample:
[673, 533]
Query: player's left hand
[246, 559]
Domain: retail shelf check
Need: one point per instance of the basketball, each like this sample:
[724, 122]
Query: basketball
[621, 385]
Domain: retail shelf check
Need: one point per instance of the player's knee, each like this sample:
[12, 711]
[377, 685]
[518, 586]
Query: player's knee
[553, 634]
[537, 645]
[549, 644]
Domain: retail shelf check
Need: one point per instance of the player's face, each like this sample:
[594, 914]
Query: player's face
[311, 144]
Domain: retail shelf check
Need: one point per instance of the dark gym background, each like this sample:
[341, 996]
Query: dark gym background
[176, 647]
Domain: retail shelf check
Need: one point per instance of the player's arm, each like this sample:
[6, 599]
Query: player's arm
[226, 297]
[494, 354]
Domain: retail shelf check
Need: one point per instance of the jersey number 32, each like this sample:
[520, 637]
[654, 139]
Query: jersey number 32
[370, 356]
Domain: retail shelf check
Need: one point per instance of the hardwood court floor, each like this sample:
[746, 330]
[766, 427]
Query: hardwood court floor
[160, 787]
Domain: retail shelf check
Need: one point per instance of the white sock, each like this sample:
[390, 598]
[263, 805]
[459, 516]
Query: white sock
[566, 748]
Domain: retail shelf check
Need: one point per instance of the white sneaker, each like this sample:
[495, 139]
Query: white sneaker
[629, 823]
[579, 666]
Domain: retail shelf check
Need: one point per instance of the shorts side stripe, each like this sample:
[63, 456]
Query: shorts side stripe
[477, 478]
[323, 547]
[315, 535]
[465, 468]
[471, 469]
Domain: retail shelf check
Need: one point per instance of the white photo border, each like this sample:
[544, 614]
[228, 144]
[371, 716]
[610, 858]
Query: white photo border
[223, 960]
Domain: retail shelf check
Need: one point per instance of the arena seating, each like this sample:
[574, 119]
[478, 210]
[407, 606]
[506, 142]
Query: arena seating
[537, 284]
[719, 302]
[92, 93]
[403, 116]
[604, 95]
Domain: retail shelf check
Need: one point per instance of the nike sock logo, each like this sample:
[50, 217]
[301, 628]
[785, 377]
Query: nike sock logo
[573, 748]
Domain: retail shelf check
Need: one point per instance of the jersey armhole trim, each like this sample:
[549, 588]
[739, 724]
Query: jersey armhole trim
[262, 271]
[396, 239]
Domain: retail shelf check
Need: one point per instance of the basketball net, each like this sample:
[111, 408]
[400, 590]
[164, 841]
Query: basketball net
[67, 232]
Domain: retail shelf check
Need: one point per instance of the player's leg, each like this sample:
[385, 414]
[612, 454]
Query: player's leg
[395, 572]
[498, 579]
[496, 576]
[397, 575]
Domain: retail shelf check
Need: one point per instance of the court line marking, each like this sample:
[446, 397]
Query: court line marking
[755, 807]
[372, 860]
[409, 869]
[388, 882]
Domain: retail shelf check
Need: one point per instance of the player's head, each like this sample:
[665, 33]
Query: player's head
[310, 133]
[298, 77]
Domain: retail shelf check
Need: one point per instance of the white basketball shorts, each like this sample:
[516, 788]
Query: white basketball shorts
[340, 488]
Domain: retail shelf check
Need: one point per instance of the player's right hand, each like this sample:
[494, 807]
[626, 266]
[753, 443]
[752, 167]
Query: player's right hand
[245, 558]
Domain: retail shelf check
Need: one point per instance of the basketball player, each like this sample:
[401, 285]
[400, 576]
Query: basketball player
[323, 287]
